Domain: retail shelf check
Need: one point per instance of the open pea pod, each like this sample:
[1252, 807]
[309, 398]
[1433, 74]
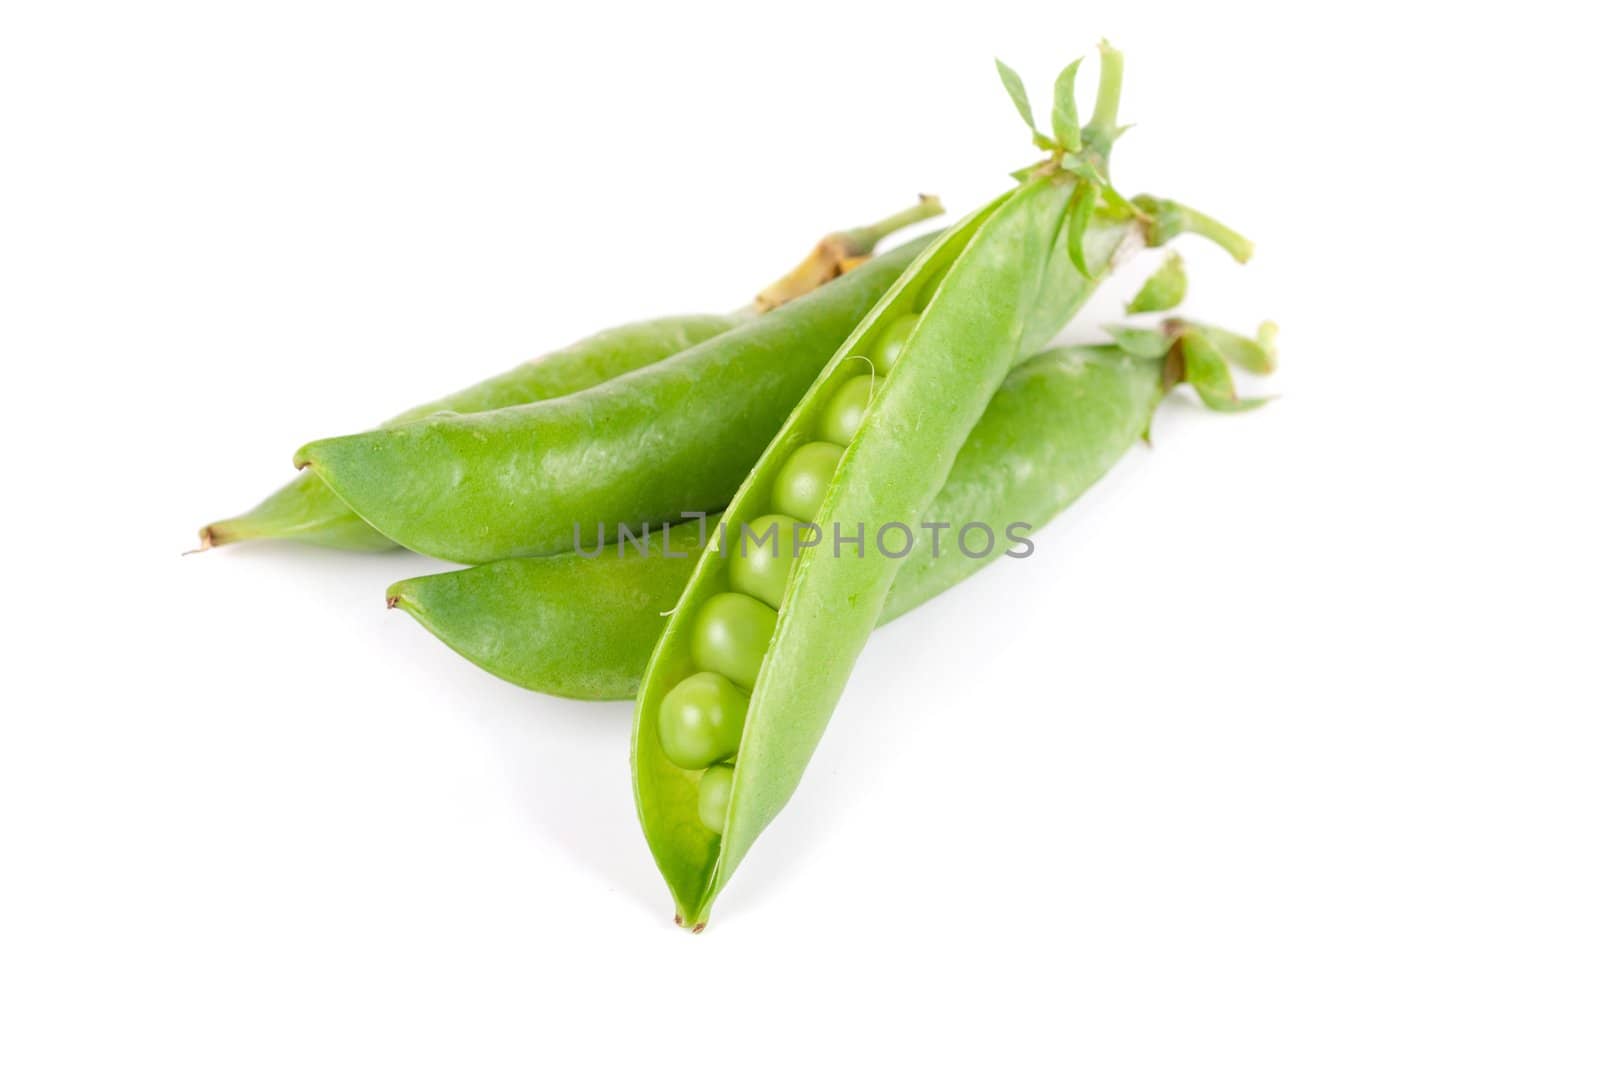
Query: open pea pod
[794, 660]
[306, 510]
[758, 650]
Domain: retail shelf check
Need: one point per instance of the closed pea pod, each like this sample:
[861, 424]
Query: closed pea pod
[676, 435]
[990, 271]
[565, 624]
[584, 627]
[306, 510]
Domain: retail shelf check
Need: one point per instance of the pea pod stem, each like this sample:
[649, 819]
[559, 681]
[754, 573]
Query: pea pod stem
[838, 252]
[1166, 219]
[1102, 128]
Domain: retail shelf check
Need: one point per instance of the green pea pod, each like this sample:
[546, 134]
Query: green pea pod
[747, 672]
[564, 624]
[583, 627]
[679, 434]
[306, 511]
[794, 663]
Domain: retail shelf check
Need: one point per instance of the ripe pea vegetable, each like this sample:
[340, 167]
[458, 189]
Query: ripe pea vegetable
[768, 550]
[731, 634]
[701, 720]
[804, 479]
[889, 344]
[844, 412]
[307, 511]
[716, 790]
[991, 270]
[584, 627]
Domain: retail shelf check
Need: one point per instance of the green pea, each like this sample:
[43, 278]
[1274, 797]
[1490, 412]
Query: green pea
[929, 288]
[844, 412]
[731, 635]
[891, 340]
[803, 481]
[716, 789]
[702, 720]
[762, 557]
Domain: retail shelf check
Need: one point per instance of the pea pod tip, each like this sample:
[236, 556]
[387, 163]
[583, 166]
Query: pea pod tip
[215, 534]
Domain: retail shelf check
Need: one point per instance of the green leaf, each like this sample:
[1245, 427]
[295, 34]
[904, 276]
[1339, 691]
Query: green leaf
[1205, 369]
[1145, 342]
[1236, 405]
[1019, 97]
[1257, 356]
[1164, 289]
[1119, 206]
[1267, 339]
[1064, 116]
[1102, 129]
[1080, 207]
[1077, 165]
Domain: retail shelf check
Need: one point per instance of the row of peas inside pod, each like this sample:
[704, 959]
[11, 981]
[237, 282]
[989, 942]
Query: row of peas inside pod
[702, 718]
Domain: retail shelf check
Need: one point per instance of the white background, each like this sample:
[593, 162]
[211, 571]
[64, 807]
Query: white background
[1281, 753]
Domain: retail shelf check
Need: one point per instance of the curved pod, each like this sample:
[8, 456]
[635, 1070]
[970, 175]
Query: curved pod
[306, 510]
[677, 435]
[584, 627]
[990, 271]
